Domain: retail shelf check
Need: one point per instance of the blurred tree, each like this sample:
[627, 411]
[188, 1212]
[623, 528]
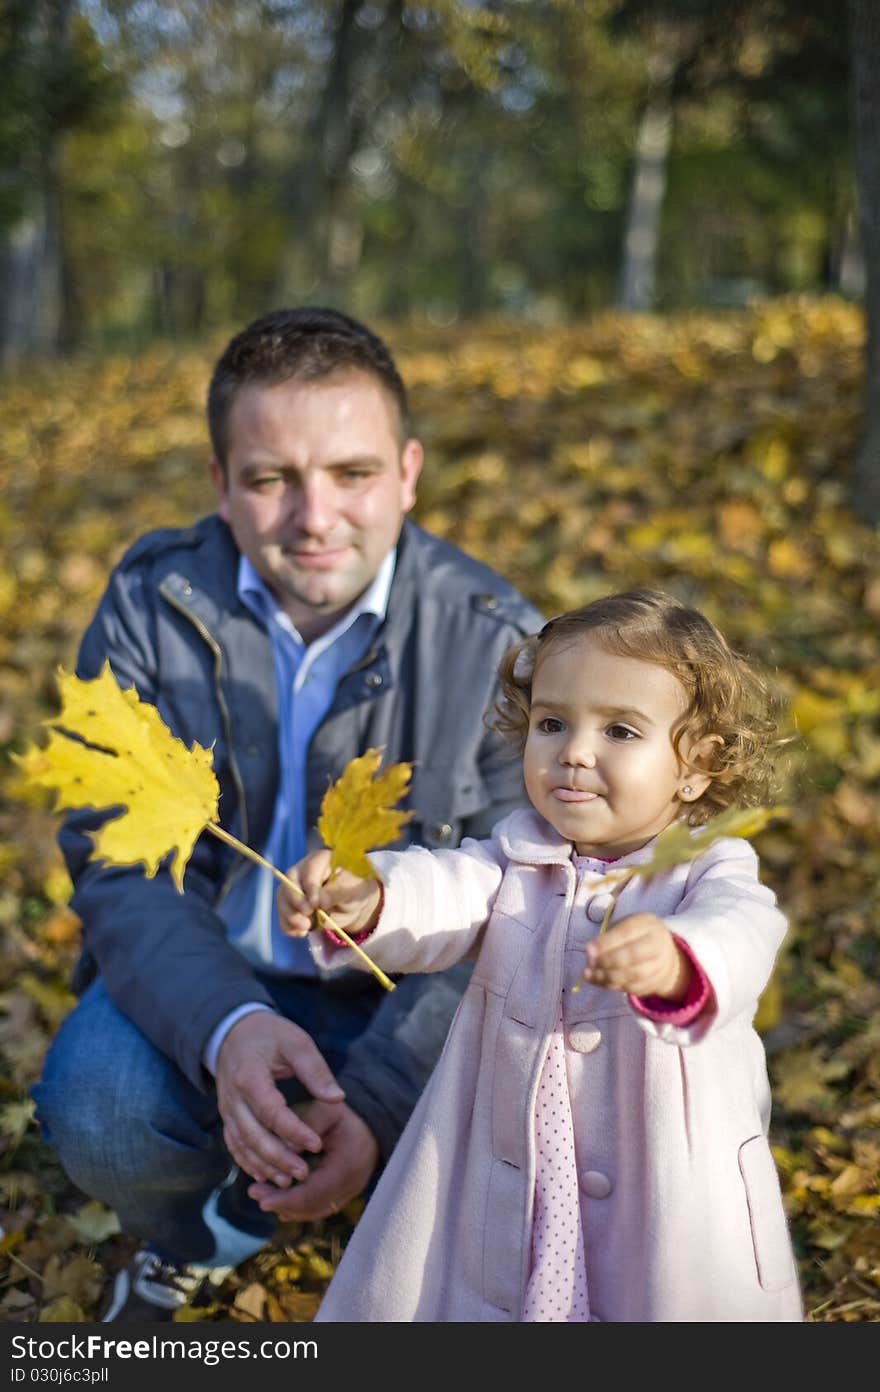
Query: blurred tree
[641, 241]
[52, 81]
[743, 126]
[864, 31]
[205, 159]
[270, 120]
[506, 178]
[224, 90]
[361, 37]
[397, 75]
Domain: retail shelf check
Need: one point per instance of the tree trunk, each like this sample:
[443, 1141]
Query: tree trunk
[864, 32]
[472, 260]
[317, 192]
[850, 263]
[638, 275]
[34, 320]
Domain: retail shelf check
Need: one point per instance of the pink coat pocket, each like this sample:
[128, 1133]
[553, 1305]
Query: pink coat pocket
[766, 1215]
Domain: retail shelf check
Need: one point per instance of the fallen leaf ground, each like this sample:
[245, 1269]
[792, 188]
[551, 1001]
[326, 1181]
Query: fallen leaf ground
[709, 454]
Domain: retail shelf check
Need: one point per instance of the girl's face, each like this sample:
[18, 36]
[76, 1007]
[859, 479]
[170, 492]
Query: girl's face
[599, 763]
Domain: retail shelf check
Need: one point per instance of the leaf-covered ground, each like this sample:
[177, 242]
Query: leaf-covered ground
[706, 453]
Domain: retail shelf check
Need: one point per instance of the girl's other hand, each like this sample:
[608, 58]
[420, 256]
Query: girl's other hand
[351, 902]
[640, 956]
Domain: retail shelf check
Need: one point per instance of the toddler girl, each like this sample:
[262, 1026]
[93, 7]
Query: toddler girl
[592, 1143]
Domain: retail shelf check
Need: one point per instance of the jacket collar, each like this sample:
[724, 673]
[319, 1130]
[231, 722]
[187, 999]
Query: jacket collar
[526, 837]
[203, 577]
[205, 583]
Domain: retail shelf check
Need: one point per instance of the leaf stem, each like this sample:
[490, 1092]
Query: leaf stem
[24, 1266]
[328, 924]
[618, 879]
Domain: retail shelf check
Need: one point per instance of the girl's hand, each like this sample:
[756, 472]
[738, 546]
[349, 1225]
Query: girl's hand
[351, 902]
[640, 956]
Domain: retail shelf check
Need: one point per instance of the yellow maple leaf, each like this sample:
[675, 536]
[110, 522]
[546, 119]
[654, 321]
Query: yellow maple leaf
[107, 748]
[358, 811]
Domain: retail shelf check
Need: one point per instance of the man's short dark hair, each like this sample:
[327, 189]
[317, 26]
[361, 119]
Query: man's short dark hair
[301, 345]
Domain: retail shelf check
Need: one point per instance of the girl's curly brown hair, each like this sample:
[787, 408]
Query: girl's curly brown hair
[726, 696]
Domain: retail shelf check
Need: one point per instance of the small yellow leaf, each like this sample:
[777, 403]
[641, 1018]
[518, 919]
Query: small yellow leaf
[292, 1306]
[16, 1187]
[828, 1139]
[823, 722]
[679, 844]
[64, 1310]
[827, 1238]
[358, 811]
[801, 1078]
[740, 525]
[318, 1267]
[15, 1118]
[788, 561]
[786, 1161]
[251, 1301]
[864, 1203]
[109, 749]
[53, 998]
[77, 1276]
[16, 1305]
[810, 709]
[93, 1222]
[193, 1314]
[769, 1011]
[584, 372]
[852, 1180]
[57, 886]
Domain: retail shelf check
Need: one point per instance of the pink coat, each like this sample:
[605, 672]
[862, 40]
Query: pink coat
[680, 1202]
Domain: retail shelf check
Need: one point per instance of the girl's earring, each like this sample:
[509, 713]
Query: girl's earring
[687, 790]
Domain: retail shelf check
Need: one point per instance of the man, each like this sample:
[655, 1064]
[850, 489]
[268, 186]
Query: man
[303, 623]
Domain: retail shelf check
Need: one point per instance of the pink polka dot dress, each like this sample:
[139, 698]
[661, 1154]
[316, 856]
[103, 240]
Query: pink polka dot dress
[557, 1286]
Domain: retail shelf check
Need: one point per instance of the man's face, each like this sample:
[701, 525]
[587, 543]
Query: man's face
[315, 490]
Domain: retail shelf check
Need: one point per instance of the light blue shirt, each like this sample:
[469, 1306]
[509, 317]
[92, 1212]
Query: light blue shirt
[306, 678]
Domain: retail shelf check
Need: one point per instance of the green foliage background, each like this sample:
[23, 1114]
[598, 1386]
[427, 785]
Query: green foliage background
[186, 164]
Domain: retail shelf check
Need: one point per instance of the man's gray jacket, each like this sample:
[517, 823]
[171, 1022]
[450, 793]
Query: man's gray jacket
[172, 625]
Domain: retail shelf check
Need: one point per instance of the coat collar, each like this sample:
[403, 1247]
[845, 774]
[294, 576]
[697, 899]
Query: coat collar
[526, 837]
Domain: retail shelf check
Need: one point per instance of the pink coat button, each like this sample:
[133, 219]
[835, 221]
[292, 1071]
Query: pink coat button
[584, 1038]
[595, 1184]
[597, 907]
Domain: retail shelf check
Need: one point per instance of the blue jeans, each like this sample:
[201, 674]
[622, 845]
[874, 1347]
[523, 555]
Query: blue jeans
[133, 1132]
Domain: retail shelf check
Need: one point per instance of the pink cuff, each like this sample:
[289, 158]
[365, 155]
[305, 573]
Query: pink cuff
[681, 1012]
[364, 933]
[337, 941]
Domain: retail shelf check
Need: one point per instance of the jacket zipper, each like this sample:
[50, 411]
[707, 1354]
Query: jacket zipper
[227, 726]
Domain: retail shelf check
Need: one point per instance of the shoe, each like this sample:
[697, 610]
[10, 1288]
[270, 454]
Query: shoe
[150, 1289]
[239, 1228]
